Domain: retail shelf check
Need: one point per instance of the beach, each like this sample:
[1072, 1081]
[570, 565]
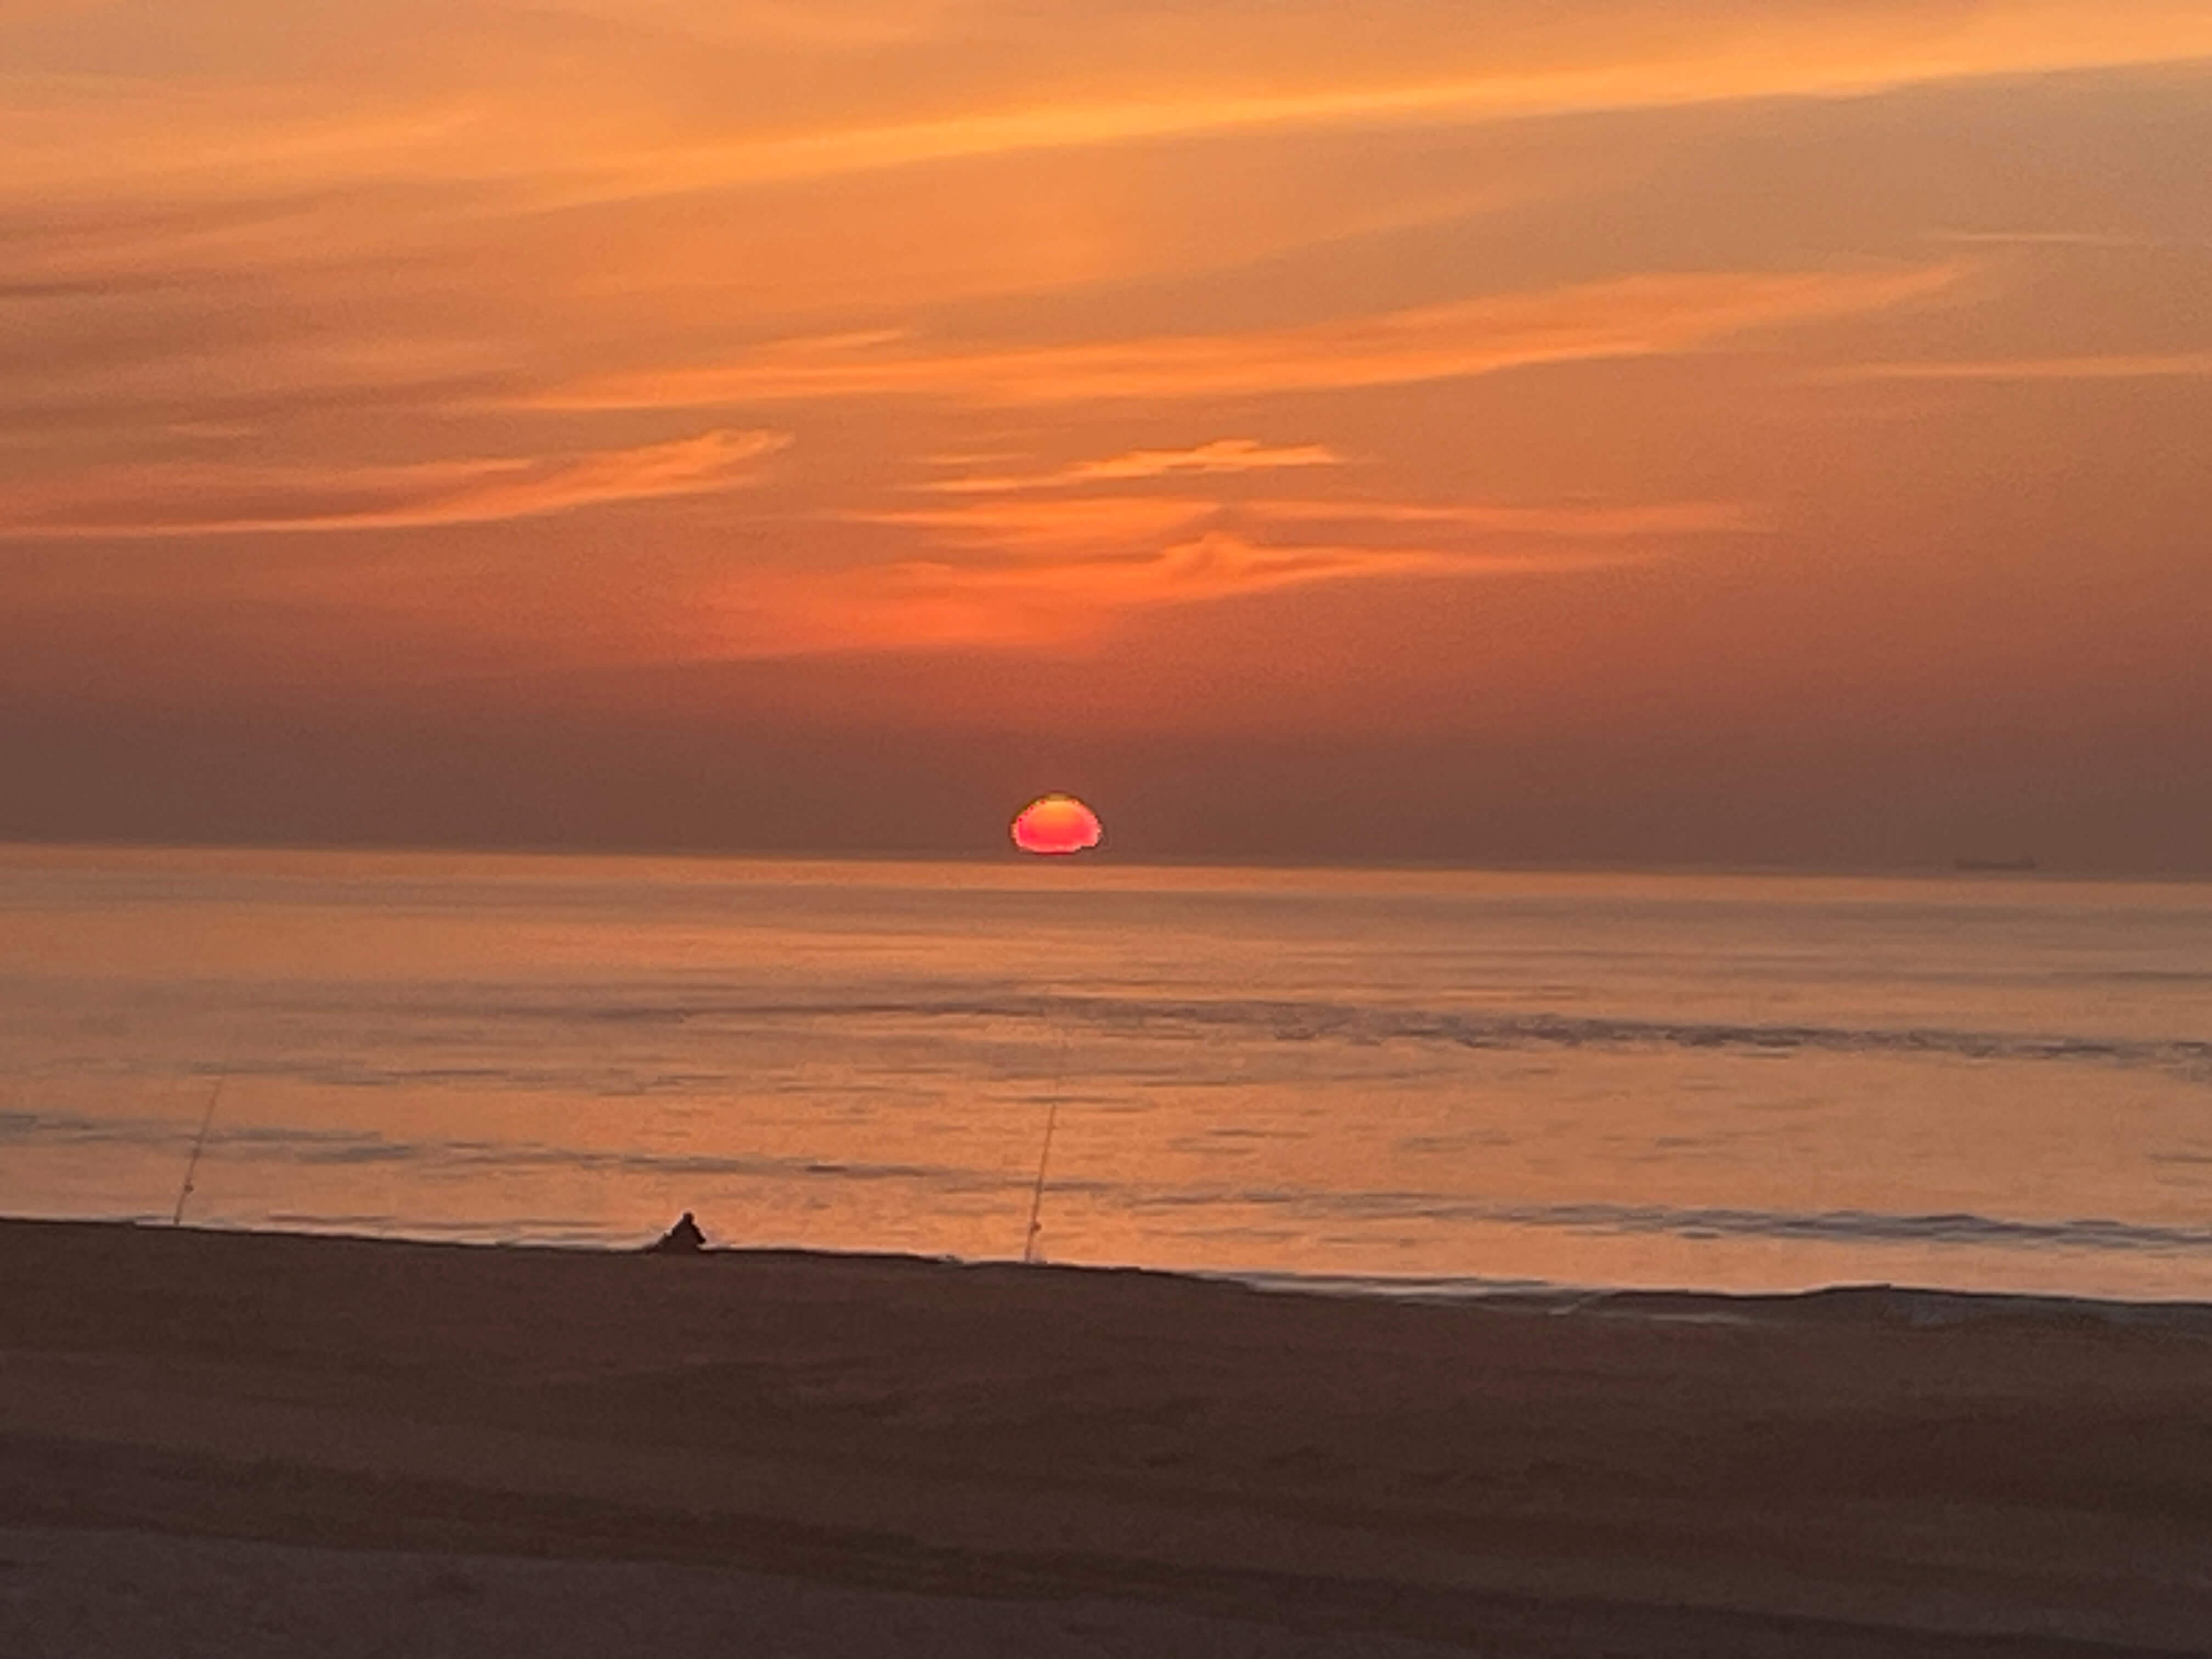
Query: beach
[1186, 829]
[879, 1453]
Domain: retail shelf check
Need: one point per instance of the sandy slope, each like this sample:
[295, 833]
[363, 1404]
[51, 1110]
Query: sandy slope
[1062, 1461]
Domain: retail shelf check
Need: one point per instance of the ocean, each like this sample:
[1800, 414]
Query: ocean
[1420, 1081]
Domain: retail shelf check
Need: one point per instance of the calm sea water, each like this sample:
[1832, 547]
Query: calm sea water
[1725, 1082]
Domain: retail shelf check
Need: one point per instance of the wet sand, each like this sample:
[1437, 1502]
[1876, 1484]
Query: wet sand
[250, 1444]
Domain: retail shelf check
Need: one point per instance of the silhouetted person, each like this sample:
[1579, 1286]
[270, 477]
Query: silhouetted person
[684, 1238]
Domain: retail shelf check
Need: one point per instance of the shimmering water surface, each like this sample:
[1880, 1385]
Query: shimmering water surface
[1726, 1082]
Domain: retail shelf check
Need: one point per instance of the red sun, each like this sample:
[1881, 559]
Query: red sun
[1057, 824]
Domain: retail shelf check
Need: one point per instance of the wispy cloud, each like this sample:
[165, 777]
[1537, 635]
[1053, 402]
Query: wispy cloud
[2095, 238]
[1024, 527]
[1216, 564]
[298, 271]
[1228, 455]
[1572, 520]
[1826, 52]
[1633, 316]
[1126, 522]
[590, 102]
[1038, 599]
[1029, 569]
[2122, 366]
[186, 499]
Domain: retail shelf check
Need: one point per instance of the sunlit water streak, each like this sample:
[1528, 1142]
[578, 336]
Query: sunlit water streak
[1722, 1082]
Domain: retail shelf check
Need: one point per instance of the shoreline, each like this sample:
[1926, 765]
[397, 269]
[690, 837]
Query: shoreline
[1920, 1302]
[1657, 1474]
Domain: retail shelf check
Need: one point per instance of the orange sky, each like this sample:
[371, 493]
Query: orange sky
[1641, 428]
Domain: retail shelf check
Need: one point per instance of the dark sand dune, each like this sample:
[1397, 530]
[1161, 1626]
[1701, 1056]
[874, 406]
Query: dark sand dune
[227, 1443]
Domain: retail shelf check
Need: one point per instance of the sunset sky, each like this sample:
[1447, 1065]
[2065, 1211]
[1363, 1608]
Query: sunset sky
[1623, 430]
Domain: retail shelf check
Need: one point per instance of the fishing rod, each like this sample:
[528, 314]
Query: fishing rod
[1044, 1156]
[199, 1146]
[1037, 1195]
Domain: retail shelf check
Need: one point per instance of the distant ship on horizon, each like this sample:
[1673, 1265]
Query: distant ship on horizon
[1993, 866]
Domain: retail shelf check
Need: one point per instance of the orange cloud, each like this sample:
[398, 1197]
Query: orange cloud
[178, 498]
[2137, 366]
[1580, 522]
[597, 101]
[1048, 526]
[1027, 571]
[1032, 527]
[942, 603]
[1223, 455]
[1732, 56]
[330, 225]
[1035, 569]
[1631, 316]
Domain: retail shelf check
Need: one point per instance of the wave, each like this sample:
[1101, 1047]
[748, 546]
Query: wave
[1855, 1226]
[1705, 1222]
[467, 1017]
[472, 1035]
[1311, 1206]
[367, 1146]
[1919, 1306]
[1306, 1021]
